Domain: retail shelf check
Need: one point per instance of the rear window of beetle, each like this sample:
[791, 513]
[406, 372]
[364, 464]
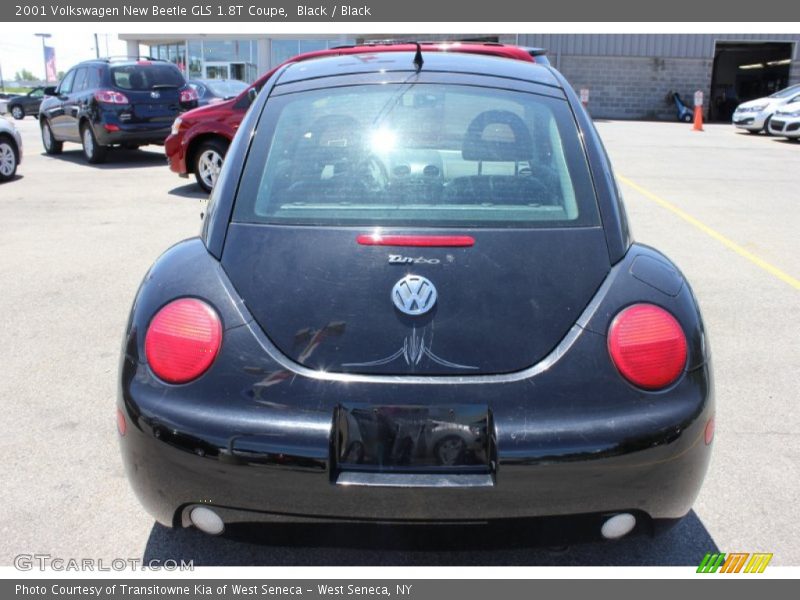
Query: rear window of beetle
[417, 154]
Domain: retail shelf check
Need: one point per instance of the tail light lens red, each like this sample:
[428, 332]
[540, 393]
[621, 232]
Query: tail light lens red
[709, 432]
[110, 97]
[648, 346]
[188, 94]
[183, 340]
[122, 426]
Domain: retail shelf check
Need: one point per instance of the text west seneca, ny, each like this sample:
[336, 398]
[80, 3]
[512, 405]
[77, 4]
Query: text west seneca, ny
[207, 590]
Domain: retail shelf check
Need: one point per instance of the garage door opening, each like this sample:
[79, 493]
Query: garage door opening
[745, 71]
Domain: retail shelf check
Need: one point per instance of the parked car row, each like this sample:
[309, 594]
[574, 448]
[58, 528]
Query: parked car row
[778, 114]
[104, 103]
[200, 138]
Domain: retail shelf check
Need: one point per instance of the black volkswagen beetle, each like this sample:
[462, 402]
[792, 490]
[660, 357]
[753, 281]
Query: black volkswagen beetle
[415, 297]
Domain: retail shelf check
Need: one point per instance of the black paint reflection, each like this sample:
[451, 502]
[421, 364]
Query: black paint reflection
[413, 438]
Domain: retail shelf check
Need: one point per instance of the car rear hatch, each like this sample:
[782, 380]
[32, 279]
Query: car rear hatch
[503, 304]
[485, 194]
[153, 91]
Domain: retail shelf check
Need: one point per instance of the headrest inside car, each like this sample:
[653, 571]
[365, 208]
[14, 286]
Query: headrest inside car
[497, 136]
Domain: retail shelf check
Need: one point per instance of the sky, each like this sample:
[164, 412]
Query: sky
[24, 50]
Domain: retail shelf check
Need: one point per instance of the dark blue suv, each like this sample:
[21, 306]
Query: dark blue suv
[105, 102]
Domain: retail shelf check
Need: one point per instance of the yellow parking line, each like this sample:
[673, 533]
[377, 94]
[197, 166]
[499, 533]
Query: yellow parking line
[760, 262]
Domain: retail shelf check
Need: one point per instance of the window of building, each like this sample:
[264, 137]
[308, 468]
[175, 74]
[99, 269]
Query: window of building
[195, 58]
[283, 50]
[174, 53]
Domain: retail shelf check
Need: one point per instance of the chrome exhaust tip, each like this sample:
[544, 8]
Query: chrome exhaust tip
[618, 526]
[206, 520]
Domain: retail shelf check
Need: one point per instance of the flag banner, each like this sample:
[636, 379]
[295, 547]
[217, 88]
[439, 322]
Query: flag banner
[50, 63]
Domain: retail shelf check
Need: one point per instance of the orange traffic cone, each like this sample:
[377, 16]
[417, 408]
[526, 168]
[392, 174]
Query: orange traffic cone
[698, 119]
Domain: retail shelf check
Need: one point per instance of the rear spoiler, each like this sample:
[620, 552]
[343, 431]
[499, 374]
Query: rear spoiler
[539, 55]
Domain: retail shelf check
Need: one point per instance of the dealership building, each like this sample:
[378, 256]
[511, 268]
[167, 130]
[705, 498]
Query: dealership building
[628, 76]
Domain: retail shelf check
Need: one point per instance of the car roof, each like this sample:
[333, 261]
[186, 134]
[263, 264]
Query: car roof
[205, 81]
[370, 61]
[487, 48]
[116, 62]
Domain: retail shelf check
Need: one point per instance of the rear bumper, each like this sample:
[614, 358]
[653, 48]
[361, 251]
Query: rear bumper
[661, 482]
[275, 461]
[131, 134]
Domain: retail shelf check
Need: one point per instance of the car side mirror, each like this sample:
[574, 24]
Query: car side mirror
[50, 91]
[251, 95]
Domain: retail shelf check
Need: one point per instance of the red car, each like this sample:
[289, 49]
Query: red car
[200, 137]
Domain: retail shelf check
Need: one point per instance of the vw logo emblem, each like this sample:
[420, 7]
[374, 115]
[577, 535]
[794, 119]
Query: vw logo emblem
[155, 95]
[414, 295]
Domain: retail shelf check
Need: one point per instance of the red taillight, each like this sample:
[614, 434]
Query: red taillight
[709, 432]
[188, 94]
[183, 340]
[448, 241]
[648, 346]
[110, 97]
[122, 426]
[110, 127]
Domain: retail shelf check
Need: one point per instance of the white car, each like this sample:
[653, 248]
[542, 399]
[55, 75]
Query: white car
[10, 149]
[786, 121]
[754, 115]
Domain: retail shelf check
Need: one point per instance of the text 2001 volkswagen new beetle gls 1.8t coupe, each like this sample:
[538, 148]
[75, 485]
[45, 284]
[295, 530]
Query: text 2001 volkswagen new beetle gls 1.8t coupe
[415, 298]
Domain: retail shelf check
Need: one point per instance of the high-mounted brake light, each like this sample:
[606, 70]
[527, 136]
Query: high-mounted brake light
[447, 241]
[188, 94]
[110, 97]
[648, 346]
[183, 339]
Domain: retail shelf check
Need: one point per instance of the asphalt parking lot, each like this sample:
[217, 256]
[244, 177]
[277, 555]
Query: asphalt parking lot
[76, 240]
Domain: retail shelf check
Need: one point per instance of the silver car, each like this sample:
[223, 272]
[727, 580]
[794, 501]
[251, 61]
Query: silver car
[786, 121]
[754, 115]
[10, 150]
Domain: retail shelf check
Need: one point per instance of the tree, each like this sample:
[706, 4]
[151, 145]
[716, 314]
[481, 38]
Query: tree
[60, 75]
[25, 75]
